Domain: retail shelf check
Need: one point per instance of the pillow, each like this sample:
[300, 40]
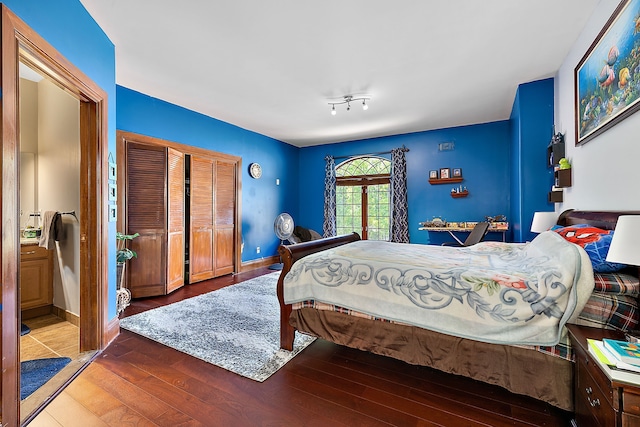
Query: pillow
[595, 242]
[617, 283]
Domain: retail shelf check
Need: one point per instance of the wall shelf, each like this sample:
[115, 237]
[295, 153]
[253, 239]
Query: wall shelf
[562, 178]
[555, 196]
[459, 194]
[445, 180]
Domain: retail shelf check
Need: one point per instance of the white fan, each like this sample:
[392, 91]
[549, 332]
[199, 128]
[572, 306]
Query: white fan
[283, 227]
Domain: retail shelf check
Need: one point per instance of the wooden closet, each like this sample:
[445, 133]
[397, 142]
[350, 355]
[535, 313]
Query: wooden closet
[183, 202]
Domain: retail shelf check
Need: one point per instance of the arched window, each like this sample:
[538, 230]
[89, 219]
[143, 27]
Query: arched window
[363, 199]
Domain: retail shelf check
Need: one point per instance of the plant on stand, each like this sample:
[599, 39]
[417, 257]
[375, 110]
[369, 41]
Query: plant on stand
[123, 254]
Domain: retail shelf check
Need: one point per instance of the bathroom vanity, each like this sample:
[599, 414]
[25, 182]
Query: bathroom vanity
[36, 279]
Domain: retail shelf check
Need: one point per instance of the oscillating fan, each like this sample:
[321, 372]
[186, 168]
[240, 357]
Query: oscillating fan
[283, 227]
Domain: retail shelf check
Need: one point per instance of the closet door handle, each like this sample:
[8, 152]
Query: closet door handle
[28, 253]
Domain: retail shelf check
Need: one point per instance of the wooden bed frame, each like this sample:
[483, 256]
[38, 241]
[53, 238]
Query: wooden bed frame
[520, 370]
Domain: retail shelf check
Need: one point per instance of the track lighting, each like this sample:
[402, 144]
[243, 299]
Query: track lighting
[347, 99]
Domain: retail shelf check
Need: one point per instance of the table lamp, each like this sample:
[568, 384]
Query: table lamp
[625, 245]
[542, 221]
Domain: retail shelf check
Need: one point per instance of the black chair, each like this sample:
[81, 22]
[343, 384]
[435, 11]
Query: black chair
[476, 236]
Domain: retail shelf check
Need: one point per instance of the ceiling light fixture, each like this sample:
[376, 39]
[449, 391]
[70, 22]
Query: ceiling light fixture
[348, 99]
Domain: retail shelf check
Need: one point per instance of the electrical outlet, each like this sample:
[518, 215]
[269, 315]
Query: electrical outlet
[258, 250]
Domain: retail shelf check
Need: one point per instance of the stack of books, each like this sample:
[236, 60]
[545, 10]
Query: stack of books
[618, 354]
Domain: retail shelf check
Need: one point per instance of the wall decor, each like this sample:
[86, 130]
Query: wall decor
[113, 192]
[112, 171]
[606, 77]
[113, 213]
[444, 173]
[433, 174]
[457, 172]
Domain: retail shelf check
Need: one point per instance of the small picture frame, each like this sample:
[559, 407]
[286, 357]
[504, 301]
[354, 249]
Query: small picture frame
[433, 174]
[113, 192]
[113, 171]
[444, 173]
[113, 213]
[457, 172]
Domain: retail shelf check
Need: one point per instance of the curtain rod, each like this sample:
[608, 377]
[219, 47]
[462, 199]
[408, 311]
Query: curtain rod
[405, 149]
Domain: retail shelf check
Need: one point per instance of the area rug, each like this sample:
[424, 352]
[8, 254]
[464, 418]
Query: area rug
[24, 329]
[236, 328]
[35, 373]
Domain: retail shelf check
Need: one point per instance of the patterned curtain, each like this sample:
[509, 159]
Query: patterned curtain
[329, 225]
[399, 214]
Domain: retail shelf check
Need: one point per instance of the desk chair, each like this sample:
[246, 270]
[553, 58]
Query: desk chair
[476, 236]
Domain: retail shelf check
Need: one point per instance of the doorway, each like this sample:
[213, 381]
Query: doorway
[20, 44]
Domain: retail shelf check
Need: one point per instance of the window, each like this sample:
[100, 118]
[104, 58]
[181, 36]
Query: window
[363, 197]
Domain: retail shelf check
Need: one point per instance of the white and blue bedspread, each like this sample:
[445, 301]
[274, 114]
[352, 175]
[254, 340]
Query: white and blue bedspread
[504, 293]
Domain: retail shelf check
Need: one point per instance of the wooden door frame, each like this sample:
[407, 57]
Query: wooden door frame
[95, 332]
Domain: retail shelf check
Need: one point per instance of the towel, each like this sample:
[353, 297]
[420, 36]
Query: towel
[51, 229]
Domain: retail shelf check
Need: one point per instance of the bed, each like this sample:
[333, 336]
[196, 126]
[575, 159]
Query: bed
[537, 364]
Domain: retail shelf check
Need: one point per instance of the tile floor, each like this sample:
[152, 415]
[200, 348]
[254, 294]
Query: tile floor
[50, 336]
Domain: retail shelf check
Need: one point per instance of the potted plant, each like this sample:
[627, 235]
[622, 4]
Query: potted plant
[123, 254]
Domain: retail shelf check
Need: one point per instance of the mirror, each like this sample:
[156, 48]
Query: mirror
[28, 183]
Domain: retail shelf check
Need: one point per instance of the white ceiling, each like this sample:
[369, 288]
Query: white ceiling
[272, 66]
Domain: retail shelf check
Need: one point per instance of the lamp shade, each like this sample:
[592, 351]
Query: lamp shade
[625, 245]
[542, 221]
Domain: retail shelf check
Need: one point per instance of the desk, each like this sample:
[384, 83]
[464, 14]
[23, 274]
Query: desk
[451, 230]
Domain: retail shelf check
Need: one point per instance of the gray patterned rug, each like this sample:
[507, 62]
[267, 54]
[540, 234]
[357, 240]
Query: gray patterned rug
[236, 328]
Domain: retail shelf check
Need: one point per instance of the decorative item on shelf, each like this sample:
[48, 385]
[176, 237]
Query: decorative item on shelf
[563, 163]
[123, 254]
[457, 172]
[444, 173]
[555, 149]
[459, 191]
[433, 174]
[348, 99]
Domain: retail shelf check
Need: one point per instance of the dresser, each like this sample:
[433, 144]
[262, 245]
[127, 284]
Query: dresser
[602, 396]
[36, 280]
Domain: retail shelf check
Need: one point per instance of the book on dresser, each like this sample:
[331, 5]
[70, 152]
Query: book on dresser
[606, 357]
[623, 351]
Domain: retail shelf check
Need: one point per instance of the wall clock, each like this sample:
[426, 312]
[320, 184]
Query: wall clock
[255, 170]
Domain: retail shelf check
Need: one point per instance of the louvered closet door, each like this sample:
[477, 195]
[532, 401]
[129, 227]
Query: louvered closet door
[201, 246]
[225, 210]
[146, 201]
[175, 222]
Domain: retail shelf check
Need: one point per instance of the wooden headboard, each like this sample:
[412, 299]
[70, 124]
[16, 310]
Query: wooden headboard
[602, 219]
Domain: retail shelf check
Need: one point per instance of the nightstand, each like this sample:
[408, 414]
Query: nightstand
[602, 396]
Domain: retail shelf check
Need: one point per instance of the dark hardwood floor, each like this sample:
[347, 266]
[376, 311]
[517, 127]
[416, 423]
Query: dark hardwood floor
[138, 382]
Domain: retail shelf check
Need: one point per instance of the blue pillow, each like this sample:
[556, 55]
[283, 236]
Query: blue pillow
[595, 242]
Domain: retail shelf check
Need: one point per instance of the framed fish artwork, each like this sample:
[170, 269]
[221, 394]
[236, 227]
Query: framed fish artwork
[607, 78]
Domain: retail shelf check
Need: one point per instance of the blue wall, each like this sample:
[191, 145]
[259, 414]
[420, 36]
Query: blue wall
[531, 132]
[262, 199]
[68, 27]
[482, 151]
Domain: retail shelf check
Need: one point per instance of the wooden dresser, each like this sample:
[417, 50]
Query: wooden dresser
[36, 280]
[602, 396]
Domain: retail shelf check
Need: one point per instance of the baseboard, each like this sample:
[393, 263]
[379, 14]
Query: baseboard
[112, 331]
[260, 262]
[72, 318]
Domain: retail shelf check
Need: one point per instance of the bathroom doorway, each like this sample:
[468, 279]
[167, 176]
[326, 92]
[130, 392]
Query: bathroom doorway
[49, 273]
[82, 259]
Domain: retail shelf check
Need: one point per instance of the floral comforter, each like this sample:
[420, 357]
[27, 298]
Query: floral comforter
[503, 293]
